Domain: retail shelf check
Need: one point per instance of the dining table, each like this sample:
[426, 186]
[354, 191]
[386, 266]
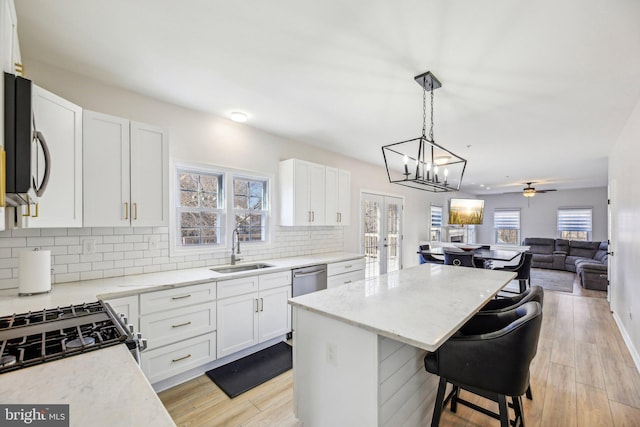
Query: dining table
[482, 253]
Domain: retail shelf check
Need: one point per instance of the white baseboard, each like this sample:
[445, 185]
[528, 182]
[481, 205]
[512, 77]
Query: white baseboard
[634, 353]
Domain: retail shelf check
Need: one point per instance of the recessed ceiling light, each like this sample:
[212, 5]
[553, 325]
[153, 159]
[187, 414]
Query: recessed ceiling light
[239, 117]
[481, 185]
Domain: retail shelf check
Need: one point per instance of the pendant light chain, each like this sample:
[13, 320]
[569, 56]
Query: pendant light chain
[424, 108]
[431, 130]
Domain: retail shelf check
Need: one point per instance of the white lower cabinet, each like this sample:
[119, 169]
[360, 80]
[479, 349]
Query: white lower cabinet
[252, 310]
[127, 306]
[344, 272]
[180, 327]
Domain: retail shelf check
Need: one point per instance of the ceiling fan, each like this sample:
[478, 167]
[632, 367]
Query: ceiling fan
[530, 191]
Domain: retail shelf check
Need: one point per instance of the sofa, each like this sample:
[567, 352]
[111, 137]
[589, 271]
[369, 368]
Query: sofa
[588, 259]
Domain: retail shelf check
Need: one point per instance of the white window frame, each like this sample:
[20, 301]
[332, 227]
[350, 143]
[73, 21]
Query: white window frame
[579, 217]
[507, 223]
[264, 212]
[436, 228]
[175, 248]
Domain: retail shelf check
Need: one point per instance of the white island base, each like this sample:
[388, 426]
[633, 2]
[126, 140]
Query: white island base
[347, 376]
[358, 349]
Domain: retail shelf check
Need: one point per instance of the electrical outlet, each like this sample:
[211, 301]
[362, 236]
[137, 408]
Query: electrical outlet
[154, 241]
[89, 246]
[332, 354]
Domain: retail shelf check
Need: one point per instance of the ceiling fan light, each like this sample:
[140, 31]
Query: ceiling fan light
[441, 160]
[529, 192]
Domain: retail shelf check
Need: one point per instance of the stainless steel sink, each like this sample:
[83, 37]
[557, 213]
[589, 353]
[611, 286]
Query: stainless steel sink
[239, 268]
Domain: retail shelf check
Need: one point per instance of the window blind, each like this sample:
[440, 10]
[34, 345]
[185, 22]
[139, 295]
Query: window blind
[574, 219]
[508, 219]
[436, 216]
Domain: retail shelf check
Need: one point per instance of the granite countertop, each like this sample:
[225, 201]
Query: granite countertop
[102, 388]
[89, 290]
[421, 306]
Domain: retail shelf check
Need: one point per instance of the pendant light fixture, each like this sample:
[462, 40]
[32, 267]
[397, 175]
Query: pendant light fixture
[419, 162]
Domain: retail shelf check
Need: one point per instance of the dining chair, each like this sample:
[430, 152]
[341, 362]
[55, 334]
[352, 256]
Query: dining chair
[462, 259]
[491, 361]
[426, 258]
[523, 269]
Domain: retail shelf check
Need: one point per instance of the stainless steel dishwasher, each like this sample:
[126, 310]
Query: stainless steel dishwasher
[309, 279]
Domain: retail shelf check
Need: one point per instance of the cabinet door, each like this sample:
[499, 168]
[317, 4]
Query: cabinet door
[275, 313]
[331, 196]
[316, 193]
[60, 121]
[301, 196]
[344, 197]
[149, 175]
[237, 323]
[127, 306]
[9, 34]
[106, 170]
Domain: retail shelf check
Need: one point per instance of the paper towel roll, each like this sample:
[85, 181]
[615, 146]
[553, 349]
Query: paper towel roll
[34, 272]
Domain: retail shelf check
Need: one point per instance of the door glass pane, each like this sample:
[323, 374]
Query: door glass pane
[371, 238]
[393, 237]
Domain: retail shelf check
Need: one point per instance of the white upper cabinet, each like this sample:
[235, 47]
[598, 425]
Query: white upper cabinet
[126, 172]
[313, 194]
[106, 177]
[337, 196]
[149, 175]
[9, 36]
[60, 121]
[302, 188]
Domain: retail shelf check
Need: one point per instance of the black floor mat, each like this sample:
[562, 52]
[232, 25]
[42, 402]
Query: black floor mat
[244, 374]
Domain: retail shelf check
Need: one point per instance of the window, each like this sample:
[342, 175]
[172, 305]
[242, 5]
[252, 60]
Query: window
[574, 223]
[200, 208]
[506, 225]
[250, 208]
[436, 223]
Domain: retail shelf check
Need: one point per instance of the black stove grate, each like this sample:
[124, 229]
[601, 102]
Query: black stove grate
[36, 337]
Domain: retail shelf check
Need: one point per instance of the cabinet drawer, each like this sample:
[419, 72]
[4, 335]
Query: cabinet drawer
[345, 266]
[233, 287]
[169, 326]
[345, 278]
[174, 359]
[177, 297]
[275, 280]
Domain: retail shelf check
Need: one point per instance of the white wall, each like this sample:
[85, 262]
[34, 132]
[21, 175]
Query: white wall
[538, 217]
[206, 139]
[624, 176]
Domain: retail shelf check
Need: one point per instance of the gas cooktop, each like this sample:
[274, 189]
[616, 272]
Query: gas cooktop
[31, 338]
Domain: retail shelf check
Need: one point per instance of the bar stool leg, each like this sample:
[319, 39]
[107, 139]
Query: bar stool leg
[437, 409]
[503, 408]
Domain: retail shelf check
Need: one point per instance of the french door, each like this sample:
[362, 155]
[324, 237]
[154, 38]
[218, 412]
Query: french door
[381, 225]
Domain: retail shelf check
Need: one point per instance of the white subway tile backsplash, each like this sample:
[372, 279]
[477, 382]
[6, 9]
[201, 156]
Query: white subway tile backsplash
[53, 232]
[13, 242]
[123, 251]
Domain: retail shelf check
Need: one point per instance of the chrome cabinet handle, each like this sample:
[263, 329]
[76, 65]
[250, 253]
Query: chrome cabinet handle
[257, 308]
[181, 297]
[348, 266]
[348, 281]
[181, 324]
[261, 304]
[181, 358]
[126, 210]
[135, 211]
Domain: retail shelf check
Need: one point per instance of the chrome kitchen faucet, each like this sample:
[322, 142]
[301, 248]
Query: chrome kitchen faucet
[235, 233]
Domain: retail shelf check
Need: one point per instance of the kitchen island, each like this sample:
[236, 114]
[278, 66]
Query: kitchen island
[359, 348]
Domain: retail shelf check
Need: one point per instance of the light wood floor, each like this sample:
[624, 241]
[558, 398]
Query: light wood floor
[583, 375]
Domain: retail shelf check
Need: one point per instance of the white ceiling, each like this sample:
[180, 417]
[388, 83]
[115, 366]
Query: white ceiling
[532, 90]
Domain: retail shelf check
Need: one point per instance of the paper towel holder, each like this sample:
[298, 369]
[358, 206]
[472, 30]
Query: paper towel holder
[34, 272]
